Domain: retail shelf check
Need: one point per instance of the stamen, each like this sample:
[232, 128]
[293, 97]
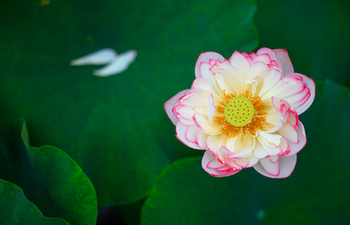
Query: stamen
[232, 126]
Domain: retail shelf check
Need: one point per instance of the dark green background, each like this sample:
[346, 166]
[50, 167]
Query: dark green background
[115, 128]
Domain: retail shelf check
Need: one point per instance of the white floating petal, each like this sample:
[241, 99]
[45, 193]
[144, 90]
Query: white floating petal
[118, 65]
[99, 57]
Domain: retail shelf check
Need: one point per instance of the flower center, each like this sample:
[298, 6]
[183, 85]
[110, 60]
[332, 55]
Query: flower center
[239, 111]
[232, 105]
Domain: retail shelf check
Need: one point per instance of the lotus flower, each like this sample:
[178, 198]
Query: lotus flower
[244, 112]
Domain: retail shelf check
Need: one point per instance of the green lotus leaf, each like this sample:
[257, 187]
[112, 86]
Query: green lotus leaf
[17, 209]
[49, 177]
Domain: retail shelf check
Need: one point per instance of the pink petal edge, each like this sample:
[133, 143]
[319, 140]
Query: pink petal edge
[207, 159]
[181, 135]
[270, 166]
[205, 57]
[168, 105]
[310, 84]
[272, 55]
[295, 148]
[287, 165]
[283, 57]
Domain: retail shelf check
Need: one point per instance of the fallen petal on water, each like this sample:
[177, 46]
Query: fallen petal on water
[117, 65]
[99, 57]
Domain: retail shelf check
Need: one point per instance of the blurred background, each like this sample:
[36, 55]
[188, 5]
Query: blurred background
[116, 128]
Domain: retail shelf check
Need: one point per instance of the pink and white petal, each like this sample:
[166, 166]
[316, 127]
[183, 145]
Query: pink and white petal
[201, 110]
[240, 154]
[185, 121]
[270, 79]
[206, 57]
[191, 133]
[248, 57]
[273, 159]
[285, 88]
[252, 160]
[270, 138]
[168, 106]
[286, 164]
[256, 69]
[259, 151]
[242, 163]
[181, 135]
[213, 142]
[185, 112]
[240, 147]
[288, 132]
[211, 108]
[293, 119]
[283, 57]
[240, 62]
[221, 153]
[310, 84]
[285, 147]
[244, 146]
[271, 149]
[274, 119]
[252, 55]
[264, 58]
[202, 84]
[213, 167]
[292, 89]
[204, 124]
[205, 70]
[285, 112]
[298, 99]
[272, 55]
[271, 168]
[228, 70]
[223, 156]
[196, 98]
[246, 54]
[237, 164]
[231, 75]
[231, 144]
[221, 84]
[214, 164]
[295, 148]
[201, 139]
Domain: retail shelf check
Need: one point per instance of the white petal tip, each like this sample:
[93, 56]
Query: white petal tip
[99, 57]
[117, 65]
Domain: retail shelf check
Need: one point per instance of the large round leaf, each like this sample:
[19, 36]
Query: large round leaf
[317, 192]
[314, 33]
[115, 128]
[48, 176]
[16, 209]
